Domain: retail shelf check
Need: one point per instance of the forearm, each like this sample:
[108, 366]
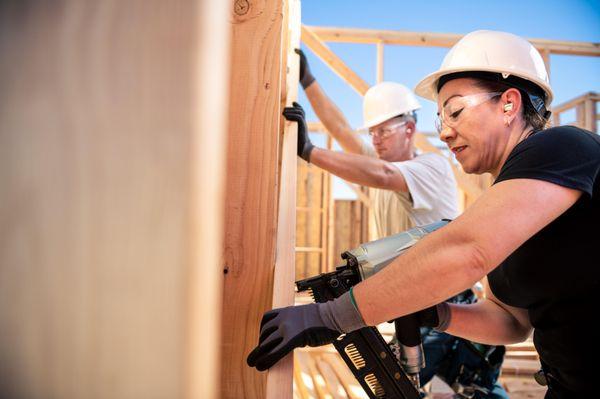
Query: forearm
[454, 257]
[333, 119]
[438, 267]
[359, 169]
[486, 322]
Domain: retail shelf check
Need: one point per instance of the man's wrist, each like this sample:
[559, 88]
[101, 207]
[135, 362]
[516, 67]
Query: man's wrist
[306, 151]
[307, 80]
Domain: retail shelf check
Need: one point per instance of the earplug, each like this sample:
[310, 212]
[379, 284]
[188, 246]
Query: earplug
[508, 107]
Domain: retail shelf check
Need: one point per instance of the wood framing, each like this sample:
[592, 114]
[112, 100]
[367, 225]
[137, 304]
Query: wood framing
[280, 377]
[380, 62]
[112, 148]
[260, 199]
[317, 46]
[428, 39]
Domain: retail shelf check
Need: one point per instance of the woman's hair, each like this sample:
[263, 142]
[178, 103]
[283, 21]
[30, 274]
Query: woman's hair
[534, 116]
[530, 115]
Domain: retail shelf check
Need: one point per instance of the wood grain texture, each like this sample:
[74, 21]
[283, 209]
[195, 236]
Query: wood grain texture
[255, 163]
[102, 242]
[280, 376]
[430, 39]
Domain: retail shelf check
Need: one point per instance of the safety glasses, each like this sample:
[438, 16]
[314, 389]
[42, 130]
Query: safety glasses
[451, 112]
[385, 132]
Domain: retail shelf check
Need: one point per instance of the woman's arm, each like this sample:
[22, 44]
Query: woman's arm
[454, 257]
[489, 321]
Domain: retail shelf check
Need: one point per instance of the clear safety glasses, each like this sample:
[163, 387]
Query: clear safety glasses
[451, 112]
[385, 132]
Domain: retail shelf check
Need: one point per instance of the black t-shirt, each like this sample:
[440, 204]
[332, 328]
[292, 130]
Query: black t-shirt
[555, 274]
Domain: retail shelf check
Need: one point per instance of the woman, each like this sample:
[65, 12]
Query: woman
[528, 233]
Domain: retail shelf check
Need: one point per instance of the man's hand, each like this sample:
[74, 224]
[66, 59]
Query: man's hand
[306, 77]
[282, 330]
[296, 114]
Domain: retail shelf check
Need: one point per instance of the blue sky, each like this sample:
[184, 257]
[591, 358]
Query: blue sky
[560, 20]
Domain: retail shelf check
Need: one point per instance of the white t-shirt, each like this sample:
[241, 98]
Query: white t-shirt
[432, 195]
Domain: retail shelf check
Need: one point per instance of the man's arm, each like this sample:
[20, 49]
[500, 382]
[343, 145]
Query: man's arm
[333, 119]
[360, 169]
[327, 112]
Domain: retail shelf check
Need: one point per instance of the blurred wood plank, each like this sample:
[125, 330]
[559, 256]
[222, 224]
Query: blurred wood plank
[112, 148]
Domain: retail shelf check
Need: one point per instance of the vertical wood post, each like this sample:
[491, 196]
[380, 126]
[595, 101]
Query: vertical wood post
[380, 62]
[260, 196]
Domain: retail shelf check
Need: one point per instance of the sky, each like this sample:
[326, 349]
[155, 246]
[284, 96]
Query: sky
[571, 76]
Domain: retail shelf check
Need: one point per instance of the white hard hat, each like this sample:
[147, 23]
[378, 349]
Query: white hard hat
[490, 51]
[387, 100]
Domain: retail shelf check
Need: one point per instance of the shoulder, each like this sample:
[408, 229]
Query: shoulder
[567, 138]
[564, 155]
[431, 158]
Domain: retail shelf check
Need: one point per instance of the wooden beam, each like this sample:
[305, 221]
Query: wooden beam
[111, 227]
[428, 39]
[207, 182]
[317, 46]
[575, 101]
[255, 163]
[380, 62]
[545, 52]
[280, 376]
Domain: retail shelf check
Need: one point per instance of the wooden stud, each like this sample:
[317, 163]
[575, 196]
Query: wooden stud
[429, 39]
[279, 378]
[331, 256]
[545, 52]
[317, 46]
[380, 61]
[259, 222]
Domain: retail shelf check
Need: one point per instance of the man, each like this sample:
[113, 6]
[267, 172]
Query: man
[407, 190]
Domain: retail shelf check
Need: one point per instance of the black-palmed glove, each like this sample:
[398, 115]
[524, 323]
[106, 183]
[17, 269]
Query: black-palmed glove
[306, 77]
[296, 114]
[437, 316]
[282, 330]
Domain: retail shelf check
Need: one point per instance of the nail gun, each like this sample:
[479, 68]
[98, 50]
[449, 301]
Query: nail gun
[364, 351]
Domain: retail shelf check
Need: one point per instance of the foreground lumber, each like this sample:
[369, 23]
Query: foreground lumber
[111, 151]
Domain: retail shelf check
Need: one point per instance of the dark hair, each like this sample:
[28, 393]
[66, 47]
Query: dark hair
[533, 97]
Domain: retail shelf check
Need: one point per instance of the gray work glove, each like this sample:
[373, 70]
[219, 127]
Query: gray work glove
[296, 114]
[284, 329]
[306, 77]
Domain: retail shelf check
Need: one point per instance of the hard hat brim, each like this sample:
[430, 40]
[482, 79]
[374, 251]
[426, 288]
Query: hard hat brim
[381, 119]
[427, 87]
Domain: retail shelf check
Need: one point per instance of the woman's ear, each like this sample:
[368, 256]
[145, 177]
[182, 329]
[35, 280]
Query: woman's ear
[511, 104]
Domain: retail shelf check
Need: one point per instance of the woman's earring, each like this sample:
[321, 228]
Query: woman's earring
[506, 121]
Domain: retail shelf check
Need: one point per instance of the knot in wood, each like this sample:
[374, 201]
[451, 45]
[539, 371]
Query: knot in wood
[241, 7]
